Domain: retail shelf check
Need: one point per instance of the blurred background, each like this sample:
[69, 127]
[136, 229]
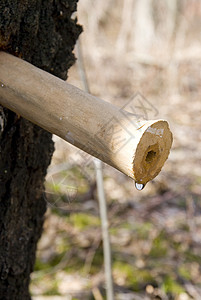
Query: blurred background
[152, 49]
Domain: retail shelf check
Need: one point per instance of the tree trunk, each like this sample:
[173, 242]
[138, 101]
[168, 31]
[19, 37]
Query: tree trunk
[43, 33]
[144, 26]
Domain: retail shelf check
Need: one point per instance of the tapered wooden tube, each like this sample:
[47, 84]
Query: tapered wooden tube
[137, 148]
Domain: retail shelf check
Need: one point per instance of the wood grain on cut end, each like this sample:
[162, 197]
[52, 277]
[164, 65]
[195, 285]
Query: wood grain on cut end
[152, 151]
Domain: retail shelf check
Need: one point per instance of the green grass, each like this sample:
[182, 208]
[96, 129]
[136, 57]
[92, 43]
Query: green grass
[42, 266]
[192, 257]
[134, 278]
[143, 230]
[183, 271]
[83, 220]
[53, 291]
[159, 246]
[171, 286]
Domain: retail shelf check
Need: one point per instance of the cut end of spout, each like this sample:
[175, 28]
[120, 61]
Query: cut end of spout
[152, 151]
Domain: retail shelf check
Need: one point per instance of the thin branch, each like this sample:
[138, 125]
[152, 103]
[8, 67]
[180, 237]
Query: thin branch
[101, 196]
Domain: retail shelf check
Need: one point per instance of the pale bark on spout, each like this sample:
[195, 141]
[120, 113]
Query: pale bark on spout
[85, 121]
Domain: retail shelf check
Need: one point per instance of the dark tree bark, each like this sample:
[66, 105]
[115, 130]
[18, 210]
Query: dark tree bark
[43, 33]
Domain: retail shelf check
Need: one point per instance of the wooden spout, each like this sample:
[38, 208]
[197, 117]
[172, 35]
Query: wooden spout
[139, 149]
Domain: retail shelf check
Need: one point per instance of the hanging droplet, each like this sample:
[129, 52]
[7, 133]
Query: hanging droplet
[139, 186]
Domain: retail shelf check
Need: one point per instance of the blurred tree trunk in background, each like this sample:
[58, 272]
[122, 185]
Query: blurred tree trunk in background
[143, 26]
[43, 33]
[146, 24]
[148, 28]
[172, 13]
[154, 24]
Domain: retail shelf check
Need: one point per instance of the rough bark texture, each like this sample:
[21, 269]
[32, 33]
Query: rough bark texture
[43, 33]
